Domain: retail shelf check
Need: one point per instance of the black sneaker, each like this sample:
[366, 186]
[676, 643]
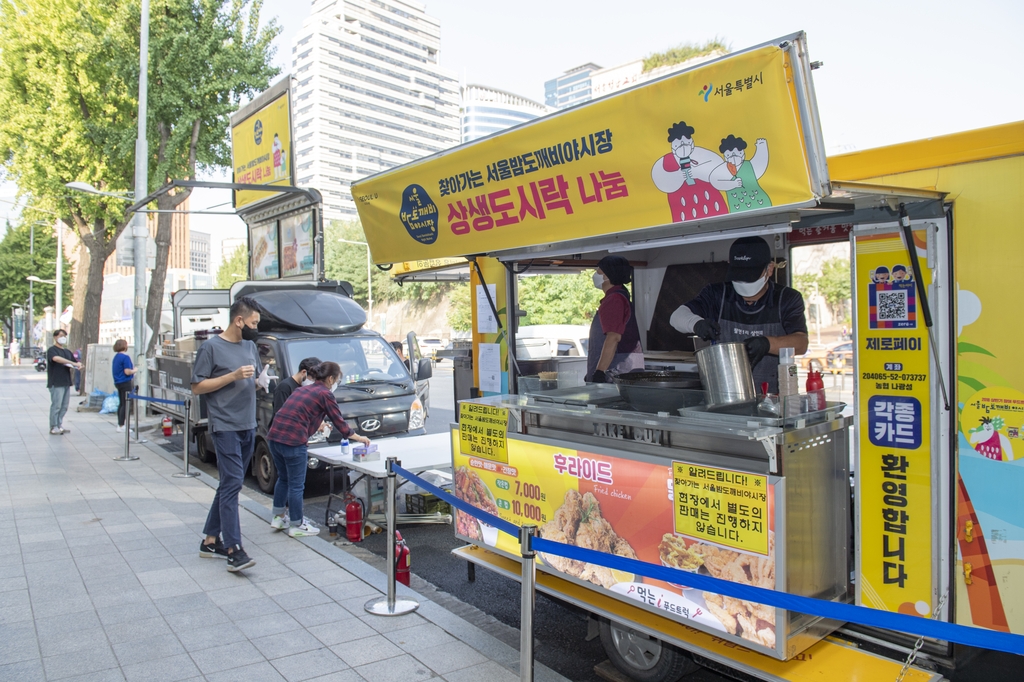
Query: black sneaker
[216, 550]
[238, 560]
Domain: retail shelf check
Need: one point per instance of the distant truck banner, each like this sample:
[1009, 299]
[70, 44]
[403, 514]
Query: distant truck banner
[720, 139]
[675, 514]
[894, 428]
[261, 148]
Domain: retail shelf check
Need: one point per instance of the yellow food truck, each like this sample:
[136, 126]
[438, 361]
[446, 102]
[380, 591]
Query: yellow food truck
[904, 501]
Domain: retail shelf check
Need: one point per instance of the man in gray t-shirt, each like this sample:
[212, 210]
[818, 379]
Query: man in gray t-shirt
[225, 372]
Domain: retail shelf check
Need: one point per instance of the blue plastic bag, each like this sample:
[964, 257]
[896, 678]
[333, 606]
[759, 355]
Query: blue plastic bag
[110, 404]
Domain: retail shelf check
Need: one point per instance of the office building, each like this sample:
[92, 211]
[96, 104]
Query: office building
[199, 252]
[368, 94]
[489, 110]
[572, 87]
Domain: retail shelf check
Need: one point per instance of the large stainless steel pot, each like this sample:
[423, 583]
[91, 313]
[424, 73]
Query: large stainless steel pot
[725, 372]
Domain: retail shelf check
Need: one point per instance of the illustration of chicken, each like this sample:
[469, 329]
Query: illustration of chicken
[989, 442]
[579, 522]
[752, 621]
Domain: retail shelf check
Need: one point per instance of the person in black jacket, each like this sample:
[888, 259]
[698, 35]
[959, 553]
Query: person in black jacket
[285, 388]
[60, 363]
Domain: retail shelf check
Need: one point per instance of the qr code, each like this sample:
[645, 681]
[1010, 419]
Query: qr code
[892, 306]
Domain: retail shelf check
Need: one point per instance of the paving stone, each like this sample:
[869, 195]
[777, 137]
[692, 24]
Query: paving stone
[18, 643]
[253, 608]
[67, 642]
[208, 637]
[309, 665]
[260, 672]
[337, 633]
[226, 657]
[170, 669]
[262, 626]
[420, 637]
[450, 657]
[145, 649]
[136, 629]
[23, 671]
[79, 662]
[302, 599]
[399, 669]
[490, 671]
[286, 644]
[358, 652]
[320, 614]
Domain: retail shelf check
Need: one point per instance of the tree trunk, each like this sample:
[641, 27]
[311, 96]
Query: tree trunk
[88, 293]
[164, 233]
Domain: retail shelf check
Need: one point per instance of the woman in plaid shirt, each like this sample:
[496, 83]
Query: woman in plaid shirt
[298, 419]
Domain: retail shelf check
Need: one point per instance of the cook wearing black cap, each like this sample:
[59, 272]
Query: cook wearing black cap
[764, 315]
[614, 335]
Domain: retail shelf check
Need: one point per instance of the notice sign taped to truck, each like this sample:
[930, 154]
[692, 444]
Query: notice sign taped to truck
[483, 431]
[722, 506]
[719, 139]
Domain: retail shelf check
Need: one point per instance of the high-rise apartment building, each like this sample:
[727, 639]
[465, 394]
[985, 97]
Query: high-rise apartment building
[489, 110]
[368, 94]
[572, 87]
[199, 252]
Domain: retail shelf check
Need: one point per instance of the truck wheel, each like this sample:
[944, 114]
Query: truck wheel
[642, 657]
[263, 467]
[204, 448]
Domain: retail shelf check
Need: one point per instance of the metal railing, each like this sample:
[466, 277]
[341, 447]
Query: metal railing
[132, 398]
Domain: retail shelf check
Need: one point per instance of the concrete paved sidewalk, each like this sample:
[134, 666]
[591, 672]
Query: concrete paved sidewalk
[101, 579]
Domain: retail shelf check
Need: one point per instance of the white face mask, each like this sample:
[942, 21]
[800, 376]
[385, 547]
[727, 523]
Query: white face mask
[308, 382]
[61, 340]
[598, 280]
[749, 289]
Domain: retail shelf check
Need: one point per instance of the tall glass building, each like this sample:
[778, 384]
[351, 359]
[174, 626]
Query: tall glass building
[572, 87]
[489, 110]
[368, 94]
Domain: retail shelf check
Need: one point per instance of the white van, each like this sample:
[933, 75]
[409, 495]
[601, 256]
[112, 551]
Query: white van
[552, 340]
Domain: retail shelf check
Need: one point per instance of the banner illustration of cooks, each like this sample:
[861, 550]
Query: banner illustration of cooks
[261, 147]
[681, 515]
[720, 139]
[894, 428]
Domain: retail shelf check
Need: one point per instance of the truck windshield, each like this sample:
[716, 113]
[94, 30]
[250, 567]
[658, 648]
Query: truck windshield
[361, 359]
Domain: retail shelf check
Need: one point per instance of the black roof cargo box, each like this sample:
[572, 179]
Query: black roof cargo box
[314, 310]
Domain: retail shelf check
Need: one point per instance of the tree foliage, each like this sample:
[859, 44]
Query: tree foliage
[559, 299]
[460, 313]
[832, 283]
[234, 268]
[16, 263]
[684, 52]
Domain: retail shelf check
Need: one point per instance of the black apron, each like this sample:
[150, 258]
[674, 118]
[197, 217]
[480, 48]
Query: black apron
[739, 322]
[629, 355]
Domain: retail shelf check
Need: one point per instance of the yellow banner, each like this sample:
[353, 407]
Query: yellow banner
[722, 506]
[421, 265]
[483, 431]
[261, 150]
[894, 402]
[721, 139]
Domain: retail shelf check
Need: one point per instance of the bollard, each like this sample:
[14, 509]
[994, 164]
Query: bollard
[391, 605]
[185, 431]
[127, 457]
[529, 582]
[138, 436]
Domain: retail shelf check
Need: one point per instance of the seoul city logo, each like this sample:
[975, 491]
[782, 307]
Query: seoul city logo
[257, 132]
[705, 92]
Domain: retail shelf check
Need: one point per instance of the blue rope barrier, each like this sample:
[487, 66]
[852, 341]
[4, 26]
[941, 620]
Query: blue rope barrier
[951, 632]
[137, 396]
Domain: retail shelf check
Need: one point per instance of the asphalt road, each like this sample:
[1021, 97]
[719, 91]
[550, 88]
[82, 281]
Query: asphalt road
[560, 628]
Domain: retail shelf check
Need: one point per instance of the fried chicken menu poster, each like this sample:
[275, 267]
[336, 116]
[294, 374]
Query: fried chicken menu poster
[629, 508]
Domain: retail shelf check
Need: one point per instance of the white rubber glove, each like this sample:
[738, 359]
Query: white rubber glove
[263, 380]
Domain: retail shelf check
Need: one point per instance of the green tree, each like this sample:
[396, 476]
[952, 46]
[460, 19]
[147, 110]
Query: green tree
[834, 285]
[16, 264]
[205, 56]
[559, 299]
[684, 52]
[460, 313]
[234, 268]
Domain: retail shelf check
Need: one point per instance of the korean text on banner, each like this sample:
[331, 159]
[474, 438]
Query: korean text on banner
[617, 505]
[722, 506]
[261, 148]
[895, 406]
[483, 431]
[720, 139]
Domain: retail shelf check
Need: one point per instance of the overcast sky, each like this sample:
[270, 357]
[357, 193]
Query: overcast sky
[894, 70]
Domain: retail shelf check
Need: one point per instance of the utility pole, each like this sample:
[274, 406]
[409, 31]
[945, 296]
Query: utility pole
[31, 300]
[140, 230]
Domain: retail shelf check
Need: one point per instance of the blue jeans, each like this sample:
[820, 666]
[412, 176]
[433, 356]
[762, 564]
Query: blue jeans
[59, 398]
[290, 461]
[234, 454]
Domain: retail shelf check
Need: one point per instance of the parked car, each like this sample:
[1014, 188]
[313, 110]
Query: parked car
[840, 356]
[429, 346]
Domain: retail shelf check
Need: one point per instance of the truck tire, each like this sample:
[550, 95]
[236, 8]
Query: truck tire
[263, 467]
[204, 448]
[642, 657]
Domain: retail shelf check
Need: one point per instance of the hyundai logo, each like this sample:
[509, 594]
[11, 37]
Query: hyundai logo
[370, 425]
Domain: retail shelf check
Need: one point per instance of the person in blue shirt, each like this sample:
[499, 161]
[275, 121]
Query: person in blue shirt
[123, 372]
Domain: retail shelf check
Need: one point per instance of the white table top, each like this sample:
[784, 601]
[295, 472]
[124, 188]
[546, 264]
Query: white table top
[415, 454]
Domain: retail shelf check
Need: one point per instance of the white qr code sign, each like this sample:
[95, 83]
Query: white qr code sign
[892, 306]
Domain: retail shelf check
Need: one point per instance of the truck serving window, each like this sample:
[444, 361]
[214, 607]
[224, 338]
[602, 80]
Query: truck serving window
[361, 359]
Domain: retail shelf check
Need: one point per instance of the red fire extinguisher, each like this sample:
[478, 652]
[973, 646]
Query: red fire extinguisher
[168, 425]
[403, 559]
[354, 520]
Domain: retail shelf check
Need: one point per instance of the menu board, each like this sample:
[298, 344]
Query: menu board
[635, 509]
[297, 245]
[263, 242]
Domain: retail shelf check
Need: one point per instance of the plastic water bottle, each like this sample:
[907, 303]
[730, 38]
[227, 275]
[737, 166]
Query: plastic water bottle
[346, 449]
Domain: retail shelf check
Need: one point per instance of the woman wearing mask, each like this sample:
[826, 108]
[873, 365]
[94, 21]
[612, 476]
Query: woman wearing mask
[297, 420]
[123, 370]
[614, 335]
[751, 308]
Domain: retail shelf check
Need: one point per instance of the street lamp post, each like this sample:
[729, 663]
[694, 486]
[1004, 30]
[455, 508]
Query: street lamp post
[141, 231]
[369, 277]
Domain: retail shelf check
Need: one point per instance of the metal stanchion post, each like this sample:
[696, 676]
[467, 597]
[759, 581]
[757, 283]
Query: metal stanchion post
[186, 473]
[138, 436]
[529, 580]
[127, 457]
[391, 605]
